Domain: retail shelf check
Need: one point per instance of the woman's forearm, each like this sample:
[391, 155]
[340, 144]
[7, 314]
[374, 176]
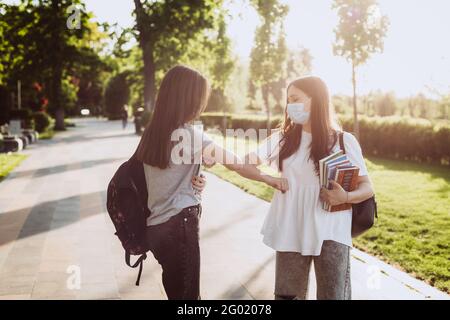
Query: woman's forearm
[234, 163]
[249, 171]
[363, 192]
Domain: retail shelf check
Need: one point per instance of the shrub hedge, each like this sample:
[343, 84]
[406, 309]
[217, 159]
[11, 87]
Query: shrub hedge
[388, 137]
[42, 121]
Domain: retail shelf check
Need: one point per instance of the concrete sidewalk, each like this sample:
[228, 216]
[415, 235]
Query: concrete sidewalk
[54, 226]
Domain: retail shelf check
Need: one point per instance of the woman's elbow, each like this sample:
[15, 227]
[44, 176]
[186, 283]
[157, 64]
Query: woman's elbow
[252, 159]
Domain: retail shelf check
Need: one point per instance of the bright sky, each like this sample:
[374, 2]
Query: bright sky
[416, 52]
[416, 48]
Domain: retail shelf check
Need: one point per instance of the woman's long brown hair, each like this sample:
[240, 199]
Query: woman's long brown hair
[182, 96]
[323, 126]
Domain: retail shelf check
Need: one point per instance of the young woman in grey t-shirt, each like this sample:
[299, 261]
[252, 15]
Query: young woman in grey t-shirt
[172, 150]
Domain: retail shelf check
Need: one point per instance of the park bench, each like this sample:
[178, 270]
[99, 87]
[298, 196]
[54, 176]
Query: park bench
[10, 144]
[32, 135]
[14, 138]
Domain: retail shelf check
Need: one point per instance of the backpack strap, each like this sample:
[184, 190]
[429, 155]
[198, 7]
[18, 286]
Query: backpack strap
[341, 141]
[139, 262]
[138, 181]
[376, 210]
[342, 146]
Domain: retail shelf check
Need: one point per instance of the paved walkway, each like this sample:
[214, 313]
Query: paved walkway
[54, 226]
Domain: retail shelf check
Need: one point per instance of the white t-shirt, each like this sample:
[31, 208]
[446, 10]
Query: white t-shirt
[296, 221]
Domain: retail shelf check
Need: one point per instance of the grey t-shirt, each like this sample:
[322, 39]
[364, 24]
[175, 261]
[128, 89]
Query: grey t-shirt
[170, 190]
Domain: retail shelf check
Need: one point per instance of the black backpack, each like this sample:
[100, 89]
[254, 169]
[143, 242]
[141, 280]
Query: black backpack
[363, 213]
[126, 203]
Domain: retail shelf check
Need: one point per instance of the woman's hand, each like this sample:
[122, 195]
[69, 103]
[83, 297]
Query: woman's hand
[337, 195]
[277, 183]
[208, 162]
[199, 182]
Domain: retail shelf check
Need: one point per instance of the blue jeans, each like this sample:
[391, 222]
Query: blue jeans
[332, 269]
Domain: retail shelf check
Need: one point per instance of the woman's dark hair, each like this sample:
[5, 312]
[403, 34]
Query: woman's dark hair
[323, 126]
[182, 96]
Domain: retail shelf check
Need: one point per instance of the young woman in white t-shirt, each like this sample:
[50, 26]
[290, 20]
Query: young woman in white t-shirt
[296, 226]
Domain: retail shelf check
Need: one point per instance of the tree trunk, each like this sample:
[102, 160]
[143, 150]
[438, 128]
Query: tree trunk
[149, 77]
[146, 45]
[57, 72]
[56, 94]
[355, 108]
[265, 93]
[59, 119]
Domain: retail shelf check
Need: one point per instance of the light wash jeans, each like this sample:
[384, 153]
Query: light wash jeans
[332, 269]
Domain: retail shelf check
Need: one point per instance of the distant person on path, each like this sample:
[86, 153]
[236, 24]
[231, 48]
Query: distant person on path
[124, 118]
[175, 205]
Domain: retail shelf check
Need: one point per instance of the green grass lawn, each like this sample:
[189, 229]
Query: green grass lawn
[48, 134]
[9, 162]
[413, 228]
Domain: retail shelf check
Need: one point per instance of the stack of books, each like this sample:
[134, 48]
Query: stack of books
[338, 167]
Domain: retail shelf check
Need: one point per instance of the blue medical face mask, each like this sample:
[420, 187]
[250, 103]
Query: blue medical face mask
[297, 113]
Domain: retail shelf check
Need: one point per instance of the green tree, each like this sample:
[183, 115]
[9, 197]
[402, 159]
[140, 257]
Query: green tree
[298, 63]
[442, 103]
[91, 68]
[385, 105]
[117, 94]
[43, 43]
[444, 107]
[359, 34]
[129, 59]
[209, 51]
[59, 35]
[18, 58]
[221, 67]
[163, 30]
[269, 51]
